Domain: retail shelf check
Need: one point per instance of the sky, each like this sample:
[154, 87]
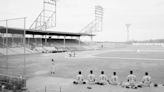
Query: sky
[145, 16]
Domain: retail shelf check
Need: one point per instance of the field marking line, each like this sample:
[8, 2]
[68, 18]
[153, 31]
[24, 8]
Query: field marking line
[141, 50]
[131, 58]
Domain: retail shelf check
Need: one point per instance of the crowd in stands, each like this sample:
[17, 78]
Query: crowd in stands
[130, 82]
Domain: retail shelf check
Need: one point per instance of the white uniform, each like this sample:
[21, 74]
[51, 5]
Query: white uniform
[114, 79]
[80, 79]
[131, 80]
[103, 78]
[91, 78]
[146, 80]
[53, 67]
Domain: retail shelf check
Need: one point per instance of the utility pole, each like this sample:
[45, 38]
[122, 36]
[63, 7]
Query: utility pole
[128, 31]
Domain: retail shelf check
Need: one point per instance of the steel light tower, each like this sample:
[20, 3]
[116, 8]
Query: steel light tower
[47, 18]
[128, 31]
[95, 25]
[99, 12]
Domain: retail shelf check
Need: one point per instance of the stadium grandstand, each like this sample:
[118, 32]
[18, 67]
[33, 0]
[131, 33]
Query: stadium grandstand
[40, 41]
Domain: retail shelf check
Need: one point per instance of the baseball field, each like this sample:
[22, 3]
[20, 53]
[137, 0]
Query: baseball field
[140, 59]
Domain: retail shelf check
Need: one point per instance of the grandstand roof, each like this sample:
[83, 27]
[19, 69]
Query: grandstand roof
[39, 32]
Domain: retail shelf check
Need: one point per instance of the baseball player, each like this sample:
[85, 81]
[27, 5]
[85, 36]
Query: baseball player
[91, 78]
[79, 79]
[131, 81]
[52, 66]
[103, 80]
[146, 80]
[114, 79]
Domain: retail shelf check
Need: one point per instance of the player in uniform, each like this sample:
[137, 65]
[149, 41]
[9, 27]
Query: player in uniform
[131, 81]
[52, 66]
[103, 80]
[79, 79]
[114, 79]
[146, 80]
[91, 78]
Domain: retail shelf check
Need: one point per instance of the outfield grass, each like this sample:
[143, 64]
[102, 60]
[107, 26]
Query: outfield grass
[120, 60]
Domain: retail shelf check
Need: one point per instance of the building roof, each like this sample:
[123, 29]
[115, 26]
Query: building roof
[39, 32]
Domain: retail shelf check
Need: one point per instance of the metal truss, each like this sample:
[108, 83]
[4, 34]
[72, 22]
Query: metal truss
[96, 24]
[47, 18]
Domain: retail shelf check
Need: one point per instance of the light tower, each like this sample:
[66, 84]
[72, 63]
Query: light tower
[47, 18]
[98, 18]
[128, 31]
[97, 24]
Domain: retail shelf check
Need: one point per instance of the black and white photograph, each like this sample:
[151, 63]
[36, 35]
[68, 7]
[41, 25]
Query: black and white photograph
[81, 45]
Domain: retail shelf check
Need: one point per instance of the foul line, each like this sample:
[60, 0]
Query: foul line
[131, 58]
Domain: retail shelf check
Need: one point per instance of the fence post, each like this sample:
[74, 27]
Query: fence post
[60, 88]
[45, 89]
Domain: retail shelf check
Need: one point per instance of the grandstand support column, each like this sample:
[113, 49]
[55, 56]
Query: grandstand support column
[22, 38]
[24, 45]
[79, 42]
[12, 40]
[42, 40]
[29, 41]
[64, 41]
[45, 40]
[3, 40]
[33, 36]
[7, 47]
[35, 40]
